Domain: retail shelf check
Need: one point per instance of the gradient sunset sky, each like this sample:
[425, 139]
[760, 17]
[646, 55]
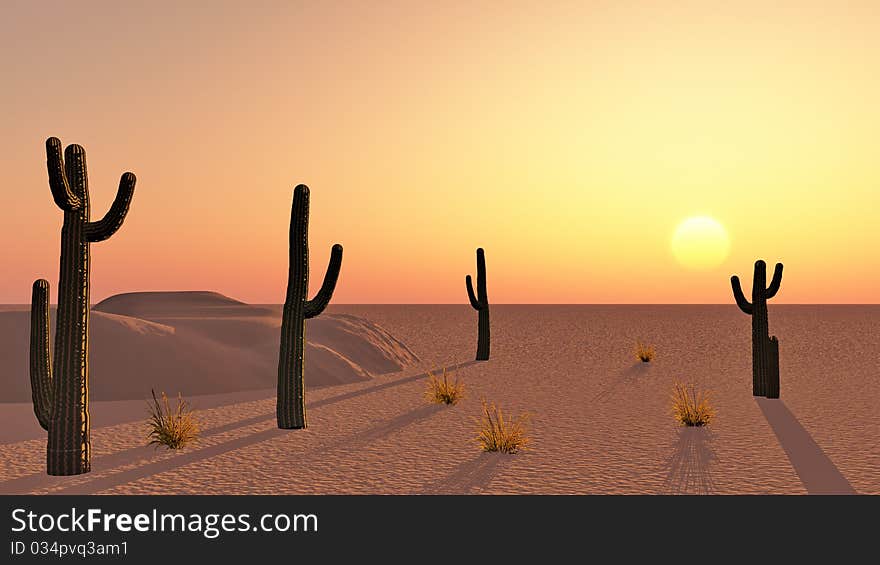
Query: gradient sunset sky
[568, 139]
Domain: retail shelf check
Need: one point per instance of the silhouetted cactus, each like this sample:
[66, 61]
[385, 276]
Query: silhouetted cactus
[480, 303]
[60, 389]
[765, 349]
[290, 406]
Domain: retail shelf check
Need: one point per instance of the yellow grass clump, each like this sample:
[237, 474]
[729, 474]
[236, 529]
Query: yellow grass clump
[691, 407]
[173, 429]
[441, 391]
[644, 353]
[499, 435]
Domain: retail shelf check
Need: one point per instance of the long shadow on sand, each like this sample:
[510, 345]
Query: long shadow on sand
[689, 468]
[818, 473]
[470, 476]
[359, 439]
[124, 412]
[145, 453]
[625, 377]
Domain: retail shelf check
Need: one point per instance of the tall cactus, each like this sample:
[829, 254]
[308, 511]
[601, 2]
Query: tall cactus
[480, 303]
[290, 406]
[765, 349]
[60, 387]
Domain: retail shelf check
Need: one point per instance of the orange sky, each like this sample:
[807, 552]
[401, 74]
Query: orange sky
[568, 139]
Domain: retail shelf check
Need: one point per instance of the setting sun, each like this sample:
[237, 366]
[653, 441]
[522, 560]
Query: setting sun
[700, 243]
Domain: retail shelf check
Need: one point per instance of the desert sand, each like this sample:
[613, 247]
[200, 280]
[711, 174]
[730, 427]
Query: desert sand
[600, 421]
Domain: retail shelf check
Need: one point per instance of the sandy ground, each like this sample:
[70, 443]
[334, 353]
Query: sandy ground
[600, 420]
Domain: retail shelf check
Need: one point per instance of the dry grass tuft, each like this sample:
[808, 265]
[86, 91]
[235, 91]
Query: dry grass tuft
[441, 391]
[691, 408]
[173, 429]
[499, 435]
[644, 353]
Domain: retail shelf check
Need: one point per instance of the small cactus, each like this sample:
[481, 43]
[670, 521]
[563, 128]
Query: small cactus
[60, 389]
[290, 406]
[765, 349]
[480, 303]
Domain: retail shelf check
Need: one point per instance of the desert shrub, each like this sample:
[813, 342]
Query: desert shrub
[442, 391]
[691, 407]
[644, 353]
[498, 434]
[172, 428]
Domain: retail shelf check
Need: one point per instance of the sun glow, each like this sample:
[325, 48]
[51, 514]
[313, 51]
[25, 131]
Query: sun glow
[700, 243]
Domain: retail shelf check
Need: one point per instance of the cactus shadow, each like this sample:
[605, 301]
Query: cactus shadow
[378, 387]
[624, 378]
[358, 439]
[470, 476]
[141, 453]
[384, 429]
[689, 468]
[816, 470]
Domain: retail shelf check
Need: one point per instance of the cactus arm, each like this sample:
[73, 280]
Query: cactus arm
[112, 221]
[61, 193]
[470, 290]
[741, 300]
[315, 306]
[776, 282]
[40, 362]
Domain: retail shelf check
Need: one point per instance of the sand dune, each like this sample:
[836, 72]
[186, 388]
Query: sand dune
[183, 303]
[201, 343]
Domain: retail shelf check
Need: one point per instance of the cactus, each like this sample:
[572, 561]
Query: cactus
[60, 387]
[480, 303]
[290, 406]
[765, 349]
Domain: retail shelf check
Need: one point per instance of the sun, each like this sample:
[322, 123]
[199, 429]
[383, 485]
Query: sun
[700, 242]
